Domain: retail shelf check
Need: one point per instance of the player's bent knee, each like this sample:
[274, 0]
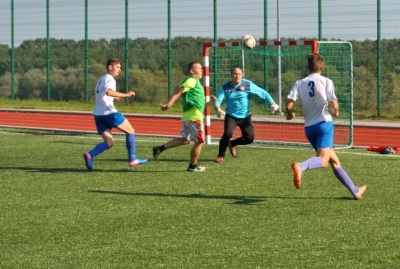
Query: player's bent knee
[324, 164]
[226, 137]
[248, 140]
[110, 143]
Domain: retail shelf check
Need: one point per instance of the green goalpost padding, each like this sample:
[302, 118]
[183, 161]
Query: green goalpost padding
[275, 66]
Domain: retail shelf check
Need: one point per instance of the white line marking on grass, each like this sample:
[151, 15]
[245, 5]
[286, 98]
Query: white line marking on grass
[339, 151]
[85, 137]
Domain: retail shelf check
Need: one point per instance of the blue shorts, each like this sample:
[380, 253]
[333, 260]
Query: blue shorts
[108, 121]
[320, 135]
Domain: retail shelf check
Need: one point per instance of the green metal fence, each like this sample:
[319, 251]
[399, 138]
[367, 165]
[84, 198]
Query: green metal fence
[40, 41]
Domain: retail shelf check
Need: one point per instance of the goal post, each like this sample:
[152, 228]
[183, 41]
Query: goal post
[275, 66]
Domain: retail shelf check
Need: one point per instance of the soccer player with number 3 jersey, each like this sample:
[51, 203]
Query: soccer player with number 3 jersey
[315, 93]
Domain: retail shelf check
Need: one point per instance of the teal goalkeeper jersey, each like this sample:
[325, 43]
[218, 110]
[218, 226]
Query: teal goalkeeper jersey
[238, 97]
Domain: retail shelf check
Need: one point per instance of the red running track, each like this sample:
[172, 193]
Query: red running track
[365, 134]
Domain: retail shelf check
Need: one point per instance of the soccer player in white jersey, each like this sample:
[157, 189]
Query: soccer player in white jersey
[107, 117]
[315, 92]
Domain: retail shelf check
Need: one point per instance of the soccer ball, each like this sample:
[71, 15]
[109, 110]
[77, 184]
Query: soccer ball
[248, 42]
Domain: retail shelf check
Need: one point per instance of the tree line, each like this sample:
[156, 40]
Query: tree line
[148, 68]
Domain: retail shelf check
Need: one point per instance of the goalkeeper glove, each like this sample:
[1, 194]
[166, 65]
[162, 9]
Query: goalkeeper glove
[273, 107]
[220, 113]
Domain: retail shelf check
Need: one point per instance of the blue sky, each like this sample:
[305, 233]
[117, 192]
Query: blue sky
[343, 19]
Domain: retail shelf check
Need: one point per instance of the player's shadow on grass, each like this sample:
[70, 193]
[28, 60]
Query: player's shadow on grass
[45, 170]
[78, 170]
[152, 160]
[74, 142]
[238, 200]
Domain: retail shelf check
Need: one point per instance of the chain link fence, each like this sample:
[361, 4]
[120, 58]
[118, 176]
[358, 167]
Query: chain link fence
[56, 50]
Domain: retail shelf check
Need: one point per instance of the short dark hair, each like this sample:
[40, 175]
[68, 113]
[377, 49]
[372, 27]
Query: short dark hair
[237, 68]
[190, 66]
[112, 61]
[315, 62]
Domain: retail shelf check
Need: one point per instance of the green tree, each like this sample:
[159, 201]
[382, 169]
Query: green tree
[32, 85]
[5, 59]
[5, 84]
[364, 90]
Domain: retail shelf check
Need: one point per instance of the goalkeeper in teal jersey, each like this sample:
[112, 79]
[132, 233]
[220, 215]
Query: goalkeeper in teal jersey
[237, 93]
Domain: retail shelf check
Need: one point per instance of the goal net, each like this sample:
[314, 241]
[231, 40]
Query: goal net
[275, 66]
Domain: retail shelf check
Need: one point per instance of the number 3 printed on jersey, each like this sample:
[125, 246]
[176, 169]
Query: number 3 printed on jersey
[311, 84]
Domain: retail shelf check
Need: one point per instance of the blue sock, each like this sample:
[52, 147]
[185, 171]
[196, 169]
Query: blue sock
[345, 180]
[99, 148]
[131, 146]
[312, 163]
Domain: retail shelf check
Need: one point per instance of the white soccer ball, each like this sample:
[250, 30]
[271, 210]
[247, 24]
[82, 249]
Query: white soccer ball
[248, 42]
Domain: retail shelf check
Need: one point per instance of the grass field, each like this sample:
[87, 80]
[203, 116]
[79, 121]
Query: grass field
[244, 213]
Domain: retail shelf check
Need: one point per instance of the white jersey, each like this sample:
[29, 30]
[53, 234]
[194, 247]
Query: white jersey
[104, 103]
[315, 92]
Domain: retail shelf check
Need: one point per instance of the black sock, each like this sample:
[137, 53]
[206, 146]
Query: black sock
[192, 166]
[162, 148]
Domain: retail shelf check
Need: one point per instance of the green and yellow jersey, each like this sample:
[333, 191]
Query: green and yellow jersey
[193, 99]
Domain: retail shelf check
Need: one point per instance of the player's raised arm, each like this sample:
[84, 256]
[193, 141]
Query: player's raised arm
[173, 98]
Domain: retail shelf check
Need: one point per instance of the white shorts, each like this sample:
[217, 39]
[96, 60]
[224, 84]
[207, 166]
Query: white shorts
[193, 131]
